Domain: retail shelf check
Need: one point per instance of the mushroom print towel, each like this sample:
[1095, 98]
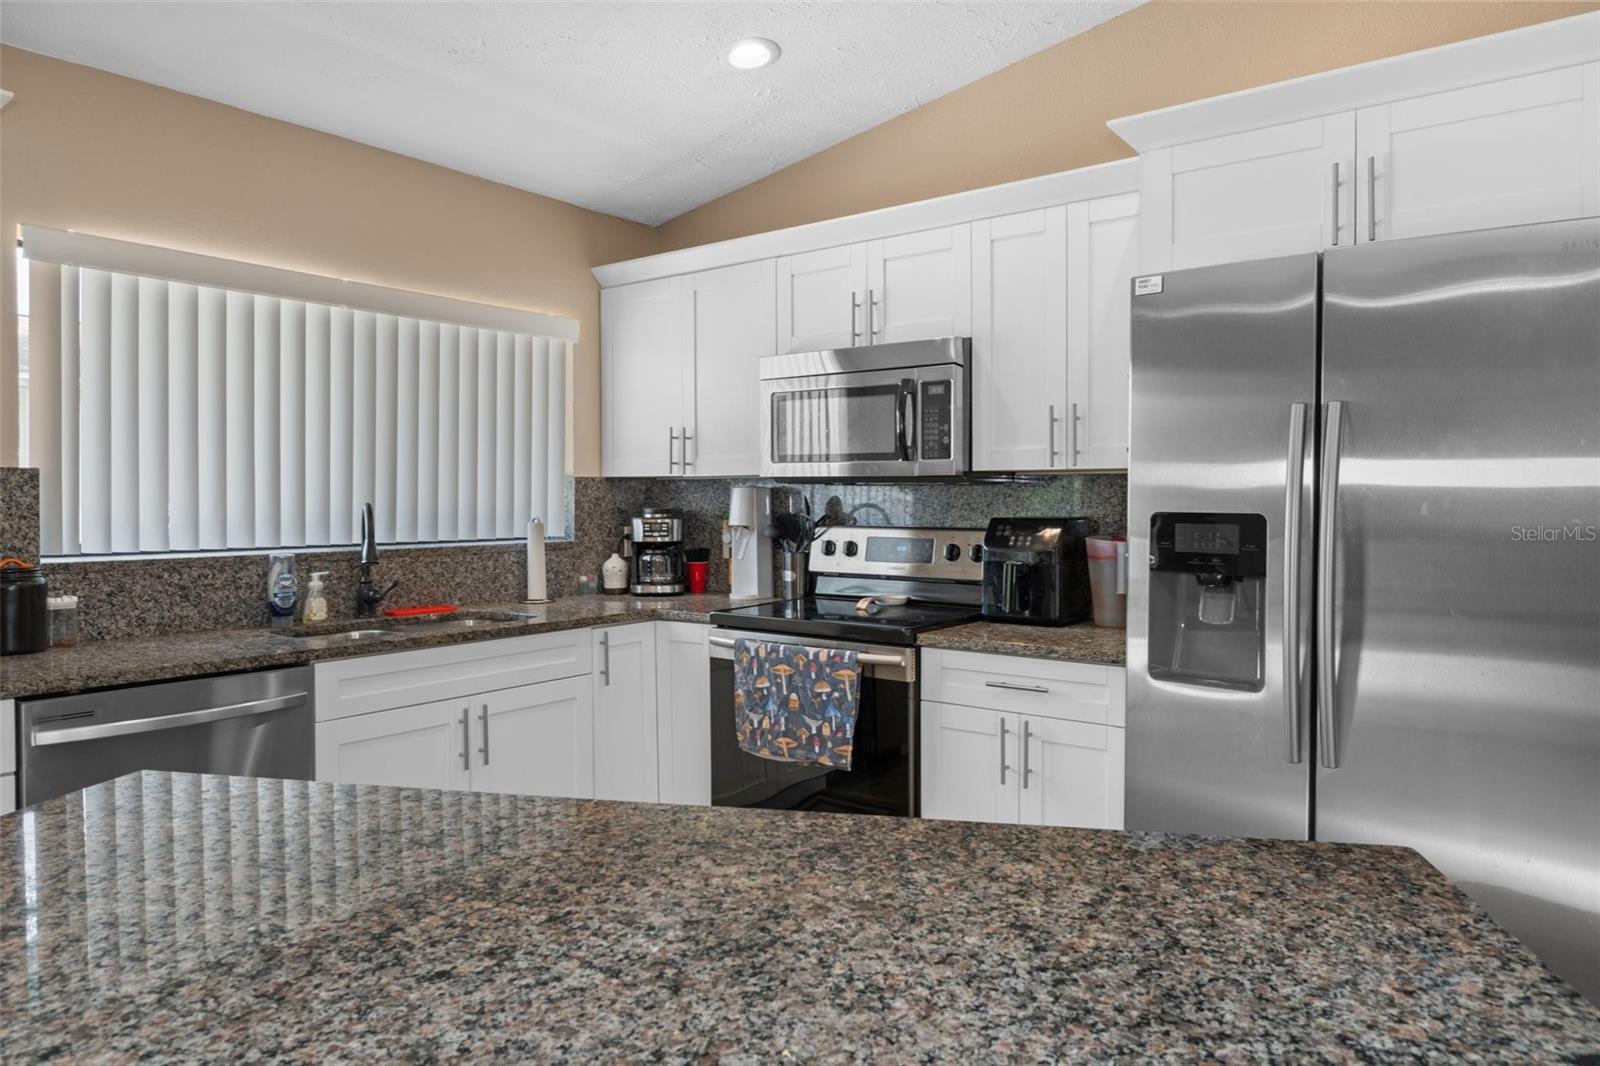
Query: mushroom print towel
[795, 704]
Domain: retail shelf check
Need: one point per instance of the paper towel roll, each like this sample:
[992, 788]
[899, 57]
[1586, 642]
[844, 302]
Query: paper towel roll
[538, 591]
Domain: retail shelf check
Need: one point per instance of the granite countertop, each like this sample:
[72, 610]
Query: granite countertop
[110, 663]
[1081, 643]
[207, 918]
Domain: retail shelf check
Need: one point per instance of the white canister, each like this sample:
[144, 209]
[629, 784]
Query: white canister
[614, 574]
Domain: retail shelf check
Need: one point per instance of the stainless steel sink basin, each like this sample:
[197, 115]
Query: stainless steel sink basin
[363, 630]
[342, 638]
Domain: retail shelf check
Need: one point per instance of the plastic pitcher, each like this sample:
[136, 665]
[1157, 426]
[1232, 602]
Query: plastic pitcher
[1108, 580]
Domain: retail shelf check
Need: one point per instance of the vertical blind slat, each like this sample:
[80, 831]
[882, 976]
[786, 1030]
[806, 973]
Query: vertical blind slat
[183, 417]
[171, 416]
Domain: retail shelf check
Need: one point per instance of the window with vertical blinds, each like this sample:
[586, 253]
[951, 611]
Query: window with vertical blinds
[168, 415]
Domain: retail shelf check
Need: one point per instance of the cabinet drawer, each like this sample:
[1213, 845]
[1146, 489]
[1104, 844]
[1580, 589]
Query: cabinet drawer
[369, 683]
[1079, 692]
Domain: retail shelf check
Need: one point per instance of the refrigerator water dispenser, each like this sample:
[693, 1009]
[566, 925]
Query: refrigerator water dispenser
[1207, 611]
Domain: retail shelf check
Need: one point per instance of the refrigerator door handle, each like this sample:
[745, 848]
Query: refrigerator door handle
[1327, 617]
[1292, 536]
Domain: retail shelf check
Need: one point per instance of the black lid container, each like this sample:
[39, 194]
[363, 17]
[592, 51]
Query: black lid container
[1036, 571]
[24, 611]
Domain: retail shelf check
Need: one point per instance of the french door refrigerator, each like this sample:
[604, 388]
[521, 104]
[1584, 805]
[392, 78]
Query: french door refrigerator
[1368, 485]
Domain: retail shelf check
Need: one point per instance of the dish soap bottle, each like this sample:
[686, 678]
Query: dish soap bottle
[316, 603]
[283, 591]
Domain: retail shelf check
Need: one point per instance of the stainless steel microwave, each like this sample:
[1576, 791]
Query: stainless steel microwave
[888, 410]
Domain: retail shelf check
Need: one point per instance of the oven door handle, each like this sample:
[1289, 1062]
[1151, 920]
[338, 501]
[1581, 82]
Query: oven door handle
[74, 734]
[867, 658]
[905, 414]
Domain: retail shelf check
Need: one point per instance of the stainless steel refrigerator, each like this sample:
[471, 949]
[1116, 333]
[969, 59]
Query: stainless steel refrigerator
[1368, 486]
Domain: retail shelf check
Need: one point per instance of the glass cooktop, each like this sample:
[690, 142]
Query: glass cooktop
[836, 617]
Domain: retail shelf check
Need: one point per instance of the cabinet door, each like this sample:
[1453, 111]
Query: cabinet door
[426, 746]
[683, 716]
[970, 764]
[1019, 341]
[625, 750]
[1072, 774]
[729, 322]
[1249, 195]
[535, 740]
[819, 299]
[643, 378]
[1501, 154]
[1102, 255]
[919, 286]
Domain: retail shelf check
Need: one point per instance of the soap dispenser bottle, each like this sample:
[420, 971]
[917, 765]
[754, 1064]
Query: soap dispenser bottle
[283, 590]
[316, 609]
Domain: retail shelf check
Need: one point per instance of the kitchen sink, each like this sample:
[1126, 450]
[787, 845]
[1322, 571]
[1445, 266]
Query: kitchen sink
[364, 630]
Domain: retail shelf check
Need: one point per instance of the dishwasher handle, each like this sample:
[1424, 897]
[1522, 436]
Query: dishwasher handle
[100, 731]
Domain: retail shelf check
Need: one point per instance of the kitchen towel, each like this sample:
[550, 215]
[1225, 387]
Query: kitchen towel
[795, 704]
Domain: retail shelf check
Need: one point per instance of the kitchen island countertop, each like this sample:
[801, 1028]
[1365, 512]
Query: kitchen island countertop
[210, 918]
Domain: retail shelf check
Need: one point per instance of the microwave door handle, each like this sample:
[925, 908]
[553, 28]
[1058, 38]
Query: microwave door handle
[905, 419]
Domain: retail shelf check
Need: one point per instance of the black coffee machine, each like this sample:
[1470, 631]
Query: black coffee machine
[1036, 571]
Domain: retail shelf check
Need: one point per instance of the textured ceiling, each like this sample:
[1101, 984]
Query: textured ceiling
[625, 108]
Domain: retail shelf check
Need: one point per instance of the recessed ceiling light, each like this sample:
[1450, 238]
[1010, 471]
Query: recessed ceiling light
[752, 53]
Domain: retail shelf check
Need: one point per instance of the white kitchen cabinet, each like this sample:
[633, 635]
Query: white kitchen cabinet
[919, 286]
[820, 298]
[1019, 340]
[536, 740]
[1071, 774]
[625, 745]
[8, 793]
[729, 322]
[683, 713]
[1266, 192]
[1503, 153]
[970, 760]
[424, 746]
[646, 378]
[1102, 257]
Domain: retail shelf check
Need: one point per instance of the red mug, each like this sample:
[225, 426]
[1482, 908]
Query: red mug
[697, 576]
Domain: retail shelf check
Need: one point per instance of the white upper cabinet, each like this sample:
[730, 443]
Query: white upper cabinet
[1102, 257]
[1508, 152]
[644, 376]
[1019, 341]
[919, 286]
[1267, 192]
[625, 752]
[820, 297]
[729, 323]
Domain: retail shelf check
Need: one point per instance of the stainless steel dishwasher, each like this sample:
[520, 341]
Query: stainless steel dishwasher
[258, 725]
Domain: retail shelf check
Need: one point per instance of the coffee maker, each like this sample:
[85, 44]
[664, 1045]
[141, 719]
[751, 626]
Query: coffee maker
[1036, 571]
[658, 566]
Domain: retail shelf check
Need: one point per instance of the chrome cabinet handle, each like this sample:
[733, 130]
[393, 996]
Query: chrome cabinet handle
[1003, 765]
[1335, 241]
[42, 738]
[672, 442]
[1372, 198]
[1291, 578]
[1074, 426]
[605, 658]
[855, 305]
[872, 317]
[1053, 421]
[483, 718]
[687, 437]
[466, 738]
[1328, 619]
[1025, 740]
[1015, 687]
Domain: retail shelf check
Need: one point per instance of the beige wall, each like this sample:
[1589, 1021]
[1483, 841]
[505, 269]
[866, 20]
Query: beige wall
[83, 149]
[1048, 113]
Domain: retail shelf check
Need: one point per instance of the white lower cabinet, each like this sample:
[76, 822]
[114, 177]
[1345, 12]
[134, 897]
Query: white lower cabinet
[683, 713]
[8, 793]
[1043, 751]
[536, 740]
[426, 746]
[625, 713]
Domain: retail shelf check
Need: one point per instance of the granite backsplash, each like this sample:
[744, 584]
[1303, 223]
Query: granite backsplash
[137, 597]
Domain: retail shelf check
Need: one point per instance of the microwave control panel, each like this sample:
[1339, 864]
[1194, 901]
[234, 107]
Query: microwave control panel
[933, 435]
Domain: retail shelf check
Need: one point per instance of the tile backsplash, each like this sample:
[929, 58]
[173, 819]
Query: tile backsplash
[136, 597]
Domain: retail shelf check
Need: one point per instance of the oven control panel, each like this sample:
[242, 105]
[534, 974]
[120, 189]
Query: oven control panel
[899, 551]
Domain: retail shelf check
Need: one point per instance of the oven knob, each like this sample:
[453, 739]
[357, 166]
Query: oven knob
[952, 552]
[851, 547]
[977, 553]
[829, 547]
